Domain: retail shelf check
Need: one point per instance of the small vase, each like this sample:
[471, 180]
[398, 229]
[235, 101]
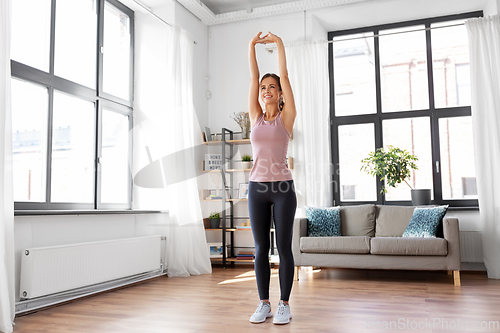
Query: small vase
[245, 132]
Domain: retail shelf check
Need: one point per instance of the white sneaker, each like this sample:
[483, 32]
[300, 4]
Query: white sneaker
[262, 313]
[283, 314]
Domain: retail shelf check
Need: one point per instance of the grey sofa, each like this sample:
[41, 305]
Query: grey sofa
[371, 239]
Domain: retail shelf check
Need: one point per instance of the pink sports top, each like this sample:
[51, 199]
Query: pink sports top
[269, 145]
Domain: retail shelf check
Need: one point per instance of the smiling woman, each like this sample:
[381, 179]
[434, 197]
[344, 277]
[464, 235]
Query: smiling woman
[271, 187]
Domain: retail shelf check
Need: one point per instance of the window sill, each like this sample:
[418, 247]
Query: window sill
[463, 208]
[86, 212]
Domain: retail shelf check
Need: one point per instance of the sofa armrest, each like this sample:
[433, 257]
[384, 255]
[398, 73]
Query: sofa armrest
[451, 233]
[299, 230]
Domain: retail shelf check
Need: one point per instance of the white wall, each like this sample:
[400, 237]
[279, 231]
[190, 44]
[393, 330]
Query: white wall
[492, 8]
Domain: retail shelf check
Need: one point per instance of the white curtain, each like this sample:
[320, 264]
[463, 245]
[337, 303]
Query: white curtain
[7, 301]
[484, 46]
[186, 241]
[310, 148]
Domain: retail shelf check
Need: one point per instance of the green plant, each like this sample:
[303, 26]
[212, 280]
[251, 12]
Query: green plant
[393, 166]
[246, 158]
[214, 215]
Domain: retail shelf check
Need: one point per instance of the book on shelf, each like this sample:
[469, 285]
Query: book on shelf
[243, 227]
[245, 255]
[212, 197]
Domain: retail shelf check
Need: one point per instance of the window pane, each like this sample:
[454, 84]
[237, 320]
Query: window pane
[414, 135]
[458, 173]
[354, 75]
[76, 40]
[116, 55]
[450, 62]
[403, 67]
[31, 33]
[115, 153]
[29, 129]
[73, 140]
[355, 143]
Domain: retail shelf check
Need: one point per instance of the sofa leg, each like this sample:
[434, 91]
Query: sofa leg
[456, 278]
[450, 272]
[296, 273]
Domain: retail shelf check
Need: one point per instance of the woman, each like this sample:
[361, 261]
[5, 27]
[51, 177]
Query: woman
[270, 184]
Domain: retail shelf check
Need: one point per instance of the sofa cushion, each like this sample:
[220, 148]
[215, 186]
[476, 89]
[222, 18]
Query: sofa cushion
[410, 246]
[323, 222]
[391, 221]
[425, 221]
[358, 220]
[342, 244]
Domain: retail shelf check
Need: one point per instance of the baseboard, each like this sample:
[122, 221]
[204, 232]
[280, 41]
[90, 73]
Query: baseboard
[473, 266]
[25, 307]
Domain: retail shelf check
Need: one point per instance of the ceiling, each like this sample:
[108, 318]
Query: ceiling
[227, 6]
[213, 12]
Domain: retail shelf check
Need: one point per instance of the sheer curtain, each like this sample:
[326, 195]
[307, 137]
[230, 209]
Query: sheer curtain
[310, 148]
[7, 301]
[186, 241]
[484, 46]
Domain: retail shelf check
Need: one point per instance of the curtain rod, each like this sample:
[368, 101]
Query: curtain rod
[150, 11]
[270, 49]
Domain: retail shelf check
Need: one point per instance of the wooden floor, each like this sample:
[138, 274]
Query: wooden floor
[328, 300]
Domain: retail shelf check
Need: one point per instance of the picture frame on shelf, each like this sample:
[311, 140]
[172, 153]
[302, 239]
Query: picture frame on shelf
[208, 134]
[215, 250]
[243, 191]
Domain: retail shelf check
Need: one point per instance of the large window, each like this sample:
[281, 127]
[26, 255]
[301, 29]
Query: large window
[405, 85]
[72, 91]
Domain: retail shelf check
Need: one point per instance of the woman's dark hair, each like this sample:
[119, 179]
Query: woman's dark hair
[277, 78]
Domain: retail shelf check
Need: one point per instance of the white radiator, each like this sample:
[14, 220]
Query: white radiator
[471, 247]
[51, 270]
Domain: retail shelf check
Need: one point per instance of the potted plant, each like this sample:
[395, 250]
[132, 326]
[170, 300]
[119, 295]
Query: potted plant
[394, 166]
[214, 220]
[246, 161]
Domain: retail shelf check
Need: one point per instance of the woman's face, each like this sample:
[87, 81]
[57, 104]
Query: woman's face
[270, 91]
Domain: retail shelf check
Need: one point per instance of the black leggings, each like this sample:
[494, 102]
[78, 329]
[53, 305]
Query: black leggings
[280, 197]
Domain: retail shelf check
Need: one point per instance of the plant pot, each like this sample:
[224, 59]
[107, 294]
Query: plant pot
[421, 197]
[214, 223]
[246, 164]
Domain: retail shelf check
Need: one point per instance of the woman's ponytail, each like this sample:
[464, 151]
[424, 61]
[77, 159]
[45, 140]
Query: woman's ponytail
[281, 103]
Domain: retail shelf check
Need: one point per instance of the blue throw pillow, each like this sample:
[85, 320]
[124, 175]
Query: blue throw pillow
[425, 221]
[323, 222]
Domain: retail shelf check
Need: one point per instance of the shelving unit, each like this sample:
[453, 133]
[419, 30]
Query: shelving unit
[227, 144]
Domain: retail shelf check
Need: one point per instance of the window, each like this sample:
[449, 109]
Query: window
[406, 85]
[72, 90]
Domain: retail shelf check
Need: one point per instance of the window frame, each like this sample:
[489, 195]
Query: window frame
[377, 118]
[97, 96]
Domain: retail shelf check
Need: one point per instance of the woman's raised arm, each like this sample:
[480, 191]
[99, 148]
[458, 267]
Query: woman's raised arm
[289, 111]
[254, 107]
